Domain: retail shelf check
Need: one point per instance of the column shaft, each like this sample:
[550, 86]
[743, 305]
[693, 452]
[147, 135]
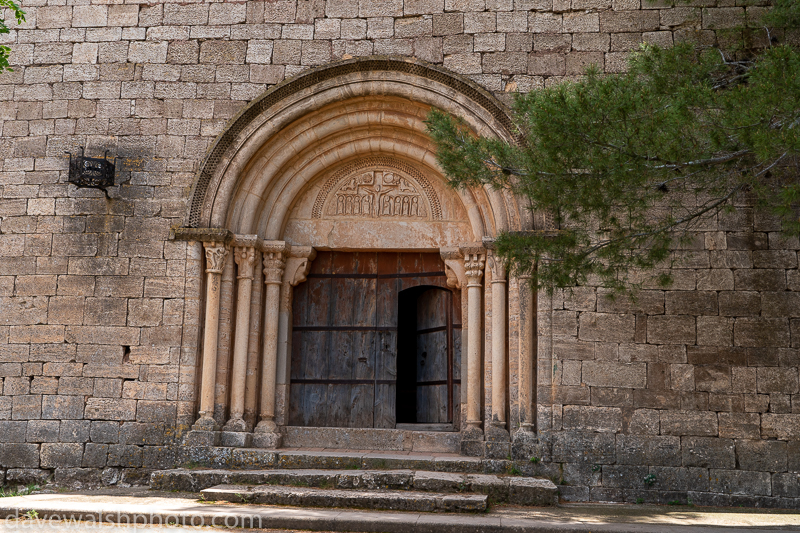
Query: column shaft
[527, 354]
[499, 344]
[269, 366]
[215, 261]
[473, 265]
[275, 253]
[245, 259]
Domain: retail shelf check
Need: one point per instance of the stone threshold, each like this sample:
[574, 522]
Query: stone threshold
[420, 440]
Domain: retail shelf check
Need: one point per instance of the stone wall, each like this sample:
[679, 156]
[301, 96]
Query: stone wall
[684, 394]
[100, 312]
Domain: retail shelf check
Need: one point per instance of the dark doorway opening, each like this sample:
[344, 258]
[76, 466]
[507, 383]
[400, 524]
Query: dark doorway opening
[425, 379]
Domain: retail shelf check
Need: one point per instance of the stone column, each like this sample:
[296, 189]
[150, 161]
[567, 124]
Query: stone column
[474, 262]
[275, 253]
[254, 350]
[499, 346]
[297, 267]
[216, 252]
[245, 257]
[456, 279]
[224, 341]
[527, 354]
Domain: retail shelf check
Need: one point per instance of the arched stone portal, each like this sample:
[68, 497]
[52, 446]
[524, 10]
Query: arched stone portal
[337, 160]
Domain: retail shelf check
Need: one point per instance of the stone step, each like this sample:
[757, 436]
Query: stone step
[500, 489]
[258, 458]
[393, 500]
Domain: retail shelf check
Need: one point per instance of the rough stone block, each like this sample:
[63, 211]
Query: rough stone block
[786, 485]
[742, 482]
[61, 455]
[605, 327]
[576, 447]
[43, 431]
[62, 407]
[763, 455]
[655, 451]
[235, 439]
[689, 423]
[671, 330]
[712, 378]
[28, 407]
[124, 455]
[600, 419]
[110, 409]
[104, 432]
[761, 332]
[609, 374]
[27, 476]
[95, 455]
[708, 452]
[527, 491]
[74, 431]
[439, 481]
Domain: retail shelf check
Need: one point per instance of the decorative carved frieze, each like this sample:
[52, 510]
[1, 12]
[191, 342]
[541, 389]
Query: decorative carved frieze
[375, 188]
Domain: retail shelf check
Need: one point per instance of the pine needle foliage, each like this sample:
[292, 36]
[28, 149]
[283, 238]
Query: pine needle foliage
[632, 166]
[19, 15]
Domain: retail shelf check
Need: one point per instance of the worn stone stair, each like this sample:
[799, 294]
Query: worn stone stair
[394, 500]
[442, 490]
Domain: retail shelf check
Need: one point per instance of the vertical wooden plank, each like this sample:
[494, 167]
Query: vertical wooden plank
[362, 400]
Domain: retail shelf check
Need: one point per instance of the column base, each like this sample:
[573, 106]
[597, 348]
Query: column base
[205, 423]
[197, 437]
[497, 433]
[235, 439]
[236, 425]
[267, 440]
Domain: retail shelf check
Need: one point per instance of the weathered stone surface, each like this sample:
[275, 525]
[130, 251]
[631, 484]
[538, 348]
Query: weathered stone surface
[761, 455]
[61, 455]
[527, 491]
[688, 423]
[641, 450]
[13, 455]
[740, 482]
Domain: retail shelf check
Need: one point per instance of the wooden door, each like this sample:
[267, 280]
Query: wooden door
[434, 350]
[344, 336]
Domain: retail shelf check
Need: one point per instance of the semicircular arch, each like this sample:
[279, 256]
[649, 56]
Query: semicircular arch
[278, 152]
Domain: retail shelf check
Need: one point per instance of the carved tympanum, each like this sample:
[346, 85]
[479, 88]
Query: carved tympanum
[378, 187]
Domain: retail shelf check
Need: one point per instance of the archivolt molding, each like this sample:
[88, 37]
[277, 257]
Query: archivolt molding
[240, 184]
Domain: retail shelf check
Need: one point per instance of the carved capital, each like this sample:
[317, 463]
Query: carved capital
[216, 252]
[498, 265]
[245, 257]
[298, 265]
[474, 263]
[275, 254]
[453, 267]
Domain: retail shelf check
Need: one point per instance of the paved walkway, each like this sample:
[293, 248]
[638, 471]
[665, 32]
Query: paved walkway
[42, 512]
